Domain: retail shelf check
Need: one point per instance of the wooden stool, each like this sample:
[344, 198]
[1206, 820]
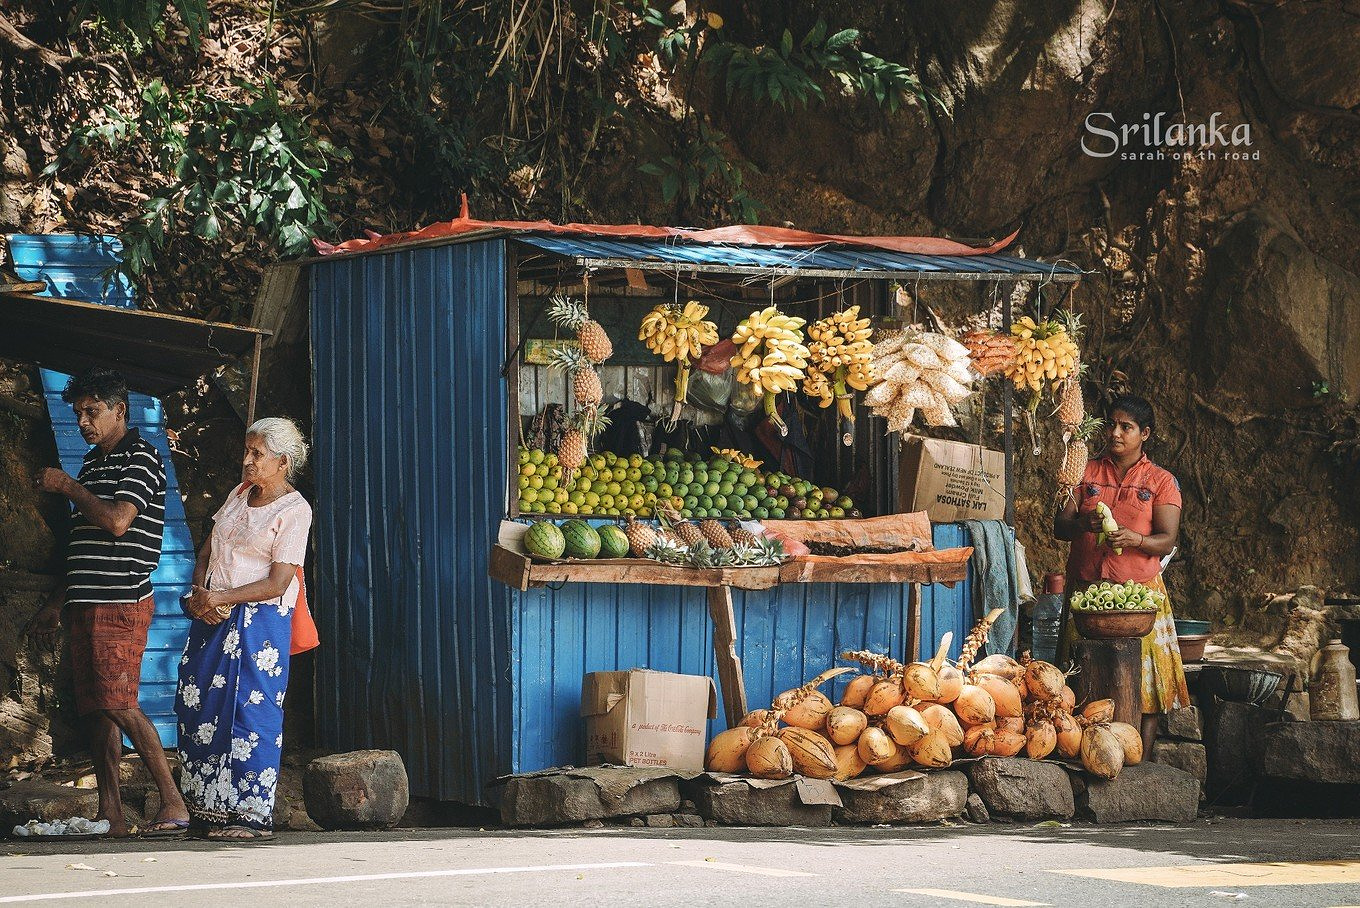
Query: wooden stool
[1112, 669]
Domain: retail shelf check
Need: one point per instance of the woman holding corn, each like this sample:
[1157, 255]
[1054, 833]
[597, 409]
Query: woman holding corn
[1145, 501]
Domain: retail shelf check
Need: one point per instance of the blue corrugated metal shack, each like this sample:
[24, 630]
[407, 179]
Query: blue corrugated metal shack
[420, 389]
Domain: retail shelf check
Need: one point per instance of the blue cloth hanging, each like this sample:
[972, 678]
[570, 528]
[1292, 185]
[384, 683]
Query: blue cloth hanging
[994, 581]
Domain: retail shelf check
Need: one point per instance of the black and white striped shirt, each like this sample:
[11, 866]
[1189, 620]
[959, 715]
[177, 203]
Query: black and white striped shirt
[101, 567]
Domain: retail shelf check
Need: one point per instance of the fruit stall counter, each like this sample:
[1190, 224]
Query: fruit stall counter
[513, 564]
[433, 358]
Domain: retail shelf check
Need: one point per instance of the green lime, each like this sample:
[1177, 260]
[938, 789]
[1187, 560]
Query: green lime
[705, 502]
[725, 488]
[720, 502]
[650, 484]
[760, 513]
[647, 468]
[665, 490]
[781, 504]
[750, 503]
[711, 488]
[628, 487]
[633, 474]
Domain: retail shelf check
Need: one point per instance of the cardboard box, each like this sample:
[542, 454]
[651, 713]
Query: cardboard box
[951, 481]
[647, 718]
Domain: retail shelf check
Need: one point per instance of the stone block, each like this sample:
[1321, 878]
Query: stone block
[1311, 751]
[691, 820]
[660, 821]
[740, 804]
[1182, 723]
[34, 799]
[1188, 756]
[363, 789]
[1233, 735]
[575, 796]
[1028, 789]
[976, 810]
[1148, 791]
[936, 797]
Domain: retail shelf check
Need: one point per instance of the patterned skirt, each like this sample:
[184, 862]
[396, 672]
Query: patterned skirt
[232, 682]
[1164, 686]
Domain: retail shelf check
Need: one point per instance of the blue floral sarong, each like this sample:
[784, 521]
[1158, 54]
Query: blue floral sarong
[232, 682]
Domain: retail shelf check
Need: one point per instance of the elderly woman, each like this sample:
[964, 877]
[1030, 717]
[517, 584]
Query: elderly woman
[234, 673]
[1146, 503]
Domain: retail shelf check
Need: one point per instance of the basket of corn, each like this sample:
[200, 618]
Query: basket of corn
[1107, 610]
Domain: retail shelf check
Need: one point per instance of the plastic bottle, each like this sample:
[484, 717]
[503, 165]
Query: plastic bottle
[1047, 620]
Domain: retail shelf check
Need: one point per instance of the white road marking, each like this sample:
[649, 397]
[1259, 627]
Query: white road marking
[312, 881]
[741, 868]
[973, 897]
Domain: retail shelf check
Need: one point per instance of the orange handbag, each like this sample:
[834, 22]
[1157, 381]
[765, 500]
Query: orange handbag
[304, 628]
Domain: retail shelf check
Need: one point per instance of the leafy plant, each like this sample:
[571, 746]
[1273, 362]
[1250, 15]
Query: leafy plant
[227, 168]
[788, 73]
[141, 17]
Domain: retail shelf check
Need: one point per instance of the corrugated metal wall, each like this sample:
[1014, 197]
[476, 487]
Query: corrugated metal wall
[785, 636]
[410, 443]
[423, 653]
[74, 268]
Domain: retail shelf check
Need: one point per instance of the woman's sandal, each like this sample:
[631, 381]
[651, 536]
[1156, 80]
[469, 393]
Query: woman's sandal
[165, 829]
[255, 835]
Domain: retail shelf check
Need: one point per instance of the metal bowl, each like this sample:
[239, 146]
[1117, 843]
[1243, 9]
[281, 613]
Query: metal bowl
[1190, 627]
[1239, 683]
[1115, 623]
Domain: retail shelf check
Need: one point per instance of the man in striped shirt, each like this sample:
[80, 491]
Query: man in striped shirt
[117, 520]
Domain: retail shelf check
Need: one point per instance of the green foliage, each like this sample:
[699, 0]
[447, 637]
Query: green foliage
[701, 165]
[226, 169]
[141, 17]
[788, 73]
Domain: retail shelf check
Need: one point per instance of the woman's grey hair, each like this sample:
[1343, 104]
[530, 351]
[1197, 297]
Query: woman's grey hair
[282, 437]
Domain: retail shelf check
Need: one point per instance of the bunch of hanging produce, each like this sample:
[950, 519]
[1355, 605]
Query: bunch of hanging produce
[919, 370]
[678, 334]
[991, 352]
[1046, 353]
[740, 458]
[841, 360]
[1107, 597]
[771, 356]
[725, 485]
[571, 314]
[582, 427]
[926, 714]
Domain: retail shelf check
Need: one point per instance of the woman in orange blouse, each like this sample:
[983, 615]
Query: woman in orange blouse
[1146, 502]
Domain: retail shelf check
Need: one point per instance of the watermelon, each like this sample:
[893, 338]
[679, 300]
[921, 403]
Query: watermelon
[613, 542]
[581, 539]
[545, 540]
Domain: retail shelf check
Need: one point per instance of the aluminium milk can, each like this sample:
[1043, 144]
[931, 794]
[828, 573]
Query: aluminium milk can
[1332, 694]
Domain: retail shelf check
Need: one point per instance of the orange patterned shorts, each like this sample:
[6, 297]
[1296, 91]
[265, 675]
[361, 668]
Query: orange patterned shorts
[107, 642]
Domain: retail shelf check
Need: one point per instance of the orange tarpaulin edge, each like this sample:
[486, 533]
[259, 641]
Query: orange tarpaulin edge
[735, 234]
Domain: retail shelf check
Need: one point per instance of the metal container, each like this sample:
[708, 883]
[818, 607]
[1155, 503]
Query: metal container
[1240, 683]
[1332, 694]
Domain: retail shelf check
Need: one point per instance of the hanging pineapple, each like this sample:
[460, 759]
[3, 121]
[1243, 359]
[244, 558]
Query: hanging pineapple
[770, 356]
[678, 335]
[572, 315]
[1077, 453]
[585, 381]
[584, 426]
[842, 359]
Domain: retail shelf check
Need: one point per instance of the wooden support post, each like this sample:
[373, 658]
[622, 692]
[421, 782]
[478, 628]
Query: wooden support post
[254, 381]
[1112, 669]
[914, 622]
[725, 654]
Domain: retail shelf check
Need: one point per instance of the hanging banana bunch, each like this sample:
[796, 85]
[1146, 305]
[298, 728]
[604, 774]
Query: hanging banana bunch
[678, 335]
[842, 359]
[770, 356]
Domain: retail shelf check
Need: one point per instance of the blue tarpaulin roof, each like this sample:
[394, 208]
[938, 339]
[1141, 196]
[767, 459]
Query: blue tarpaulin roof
[818, 261]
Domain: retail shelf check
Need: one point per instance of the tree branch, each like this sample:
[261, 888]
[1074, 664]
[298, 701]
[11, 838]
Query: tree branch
[25, 47]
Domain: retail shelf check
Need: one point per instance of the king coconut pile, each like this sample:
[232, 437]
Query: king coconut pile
[924, 715]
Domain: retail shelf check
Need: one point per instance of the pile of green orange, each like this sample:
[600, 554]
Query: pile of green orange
[610, 485]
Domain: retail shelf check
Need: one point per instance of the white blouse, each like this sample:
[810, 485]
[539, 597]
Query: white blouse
[247, 540]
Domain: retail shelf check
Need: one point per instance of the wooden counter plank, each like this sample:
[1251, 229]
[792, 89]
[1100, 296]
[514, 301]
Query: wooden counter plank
[521, 572]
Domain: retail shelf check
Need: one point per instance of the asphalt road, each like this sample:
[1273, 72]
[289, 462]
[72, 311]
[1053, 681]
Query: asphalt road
[1210, 863]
